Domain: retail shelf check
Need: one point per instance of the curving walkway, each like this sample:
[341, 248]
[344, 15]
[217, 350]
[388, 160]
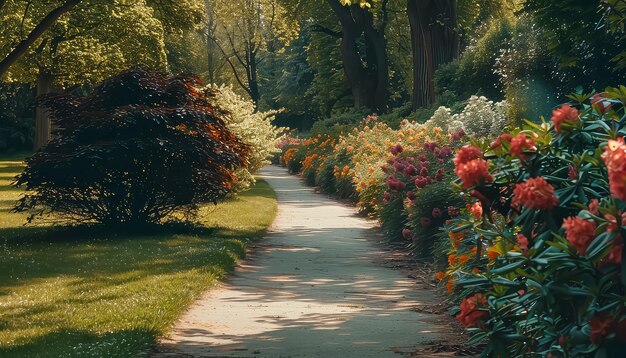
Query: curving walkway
[313, 289]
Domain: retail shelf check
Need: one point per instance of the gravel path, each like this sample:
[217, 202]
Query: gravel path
[312, 289]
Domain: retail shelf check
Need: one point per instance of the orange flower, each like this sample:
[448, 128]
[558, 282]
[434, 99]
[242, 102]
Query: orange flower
[451, 259]
[614, 157]
[535, 193]
[580, 233]
[450, 285]
[492, 253]
[563, 114]
[475, 271]
[463, 259]
[440, 276]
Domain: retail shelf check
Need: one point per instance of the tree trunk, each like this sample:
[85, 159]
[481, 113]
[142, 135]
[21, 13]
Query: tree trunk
[369, 82]
[43, 125]
[434, 42]
[253, 79]
[46, 23]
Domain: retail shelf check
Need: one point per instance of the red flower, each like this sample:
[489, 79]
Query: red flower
[467, 154]
[602, 103]
[572, 173]
[615, 255]
[579, 232]
[437, 213]
[601, 326]
[476, 210]
[496, 144]
[614, 157]
[565, 113]
[473, 173]
[535, 193]
[522, 241]
[397, 149]
[473, 310]
[594, 206]
[521, 143]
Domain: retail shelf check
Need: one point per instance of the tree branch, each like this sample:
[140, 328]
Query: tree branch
[35, 34]
[326, 30]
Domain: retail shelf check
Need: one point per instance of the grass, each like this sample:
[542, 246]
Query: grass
[84, 292]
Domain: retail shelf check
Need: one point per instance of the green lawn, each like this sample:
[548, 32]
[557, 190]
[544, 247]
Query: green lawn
[88, 293]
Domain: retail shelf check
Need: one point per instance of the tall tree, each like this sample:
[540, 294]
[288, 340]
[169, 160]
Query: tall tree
[246, 29]
[95, 40]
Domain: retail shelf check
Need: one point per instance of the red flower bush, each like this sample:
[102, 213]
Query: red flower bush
[473, 311]
[536, 194]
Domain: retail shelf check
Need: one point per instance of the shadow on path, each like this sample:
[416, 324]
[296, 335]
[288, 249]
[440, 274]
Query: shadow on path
[313, 289]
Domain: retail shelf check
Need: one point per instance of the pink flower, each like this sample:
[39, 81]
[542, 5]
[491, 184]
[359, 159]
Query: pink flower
[437, 213]
[594, 206]
[407, 233]
[536, 194]
[564, 114]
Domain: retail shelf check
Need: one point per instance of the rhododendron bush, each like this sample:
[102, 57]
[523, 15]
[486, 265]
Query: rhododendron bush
[536, 259]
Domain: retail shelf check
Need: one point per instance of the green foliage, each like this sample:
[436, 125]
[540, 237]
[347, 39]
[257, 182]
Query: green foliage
[16, 123]
[138, 149]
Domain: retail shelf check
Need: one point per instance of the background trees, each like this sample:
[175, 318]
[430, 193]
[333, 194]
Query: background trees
[322, 59]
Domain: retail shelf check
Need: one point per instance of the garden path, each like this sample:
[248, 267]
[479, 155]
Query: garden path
[313, 288]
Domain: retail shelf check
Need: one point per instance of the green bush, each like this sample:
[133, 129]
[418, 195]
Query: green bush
[536, 257]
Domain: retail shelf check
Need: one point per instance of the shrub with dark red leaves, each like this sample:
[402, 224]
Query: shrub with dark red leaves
[141, 147]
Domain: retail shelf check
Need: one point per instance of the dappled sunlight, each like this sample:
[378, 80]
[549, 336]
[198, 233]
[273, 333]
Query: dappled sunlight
[312, 286]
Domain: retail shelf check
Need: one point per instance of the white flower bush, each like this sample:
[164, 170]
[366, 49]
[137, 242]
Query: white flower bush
[482, 117]
[251, 127]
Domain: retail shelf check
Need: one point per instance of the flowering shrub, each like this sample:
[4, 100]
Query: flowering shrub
[253, 128]
[536, 255]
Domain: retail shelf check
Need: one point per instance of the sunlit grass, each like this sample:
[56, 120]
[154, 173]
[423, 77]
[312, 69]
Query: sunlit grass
[90, 293]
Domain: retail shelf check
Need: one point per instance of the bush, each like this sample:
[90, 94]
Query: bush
[253, 128]
[536, 257]
[141, 147]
